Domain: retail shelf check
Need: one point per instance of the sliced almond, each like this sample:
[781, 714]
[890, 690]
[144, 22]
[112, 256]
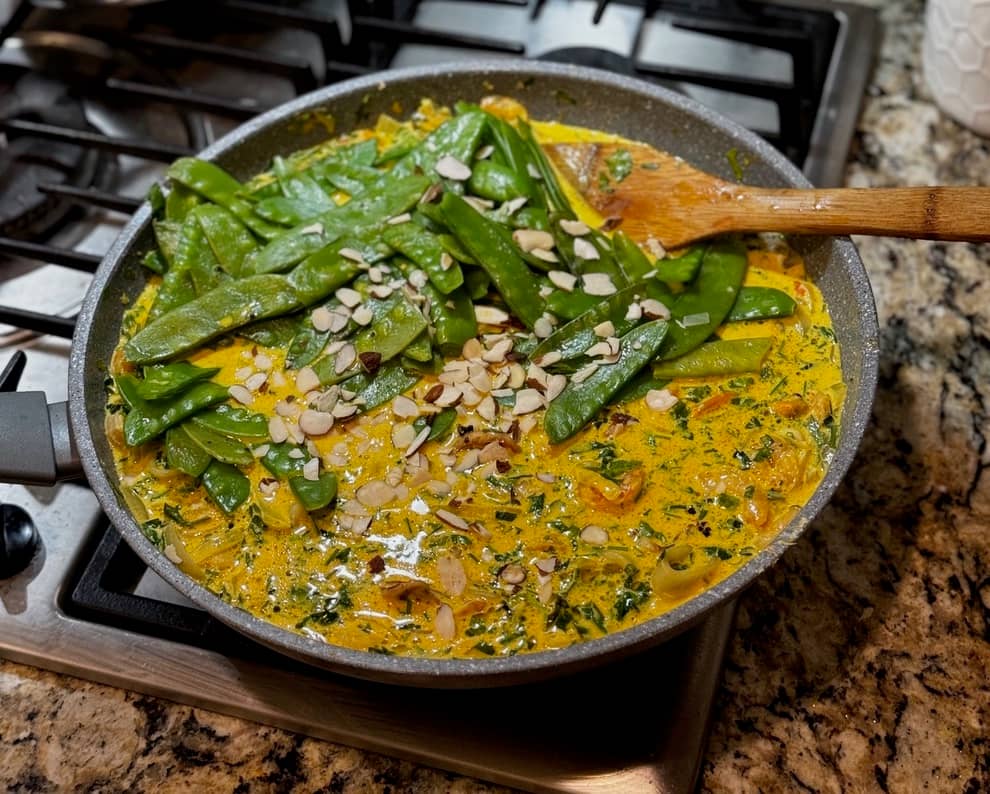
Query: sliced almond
[472, 349]
[549, 358]
[555, 385]
[311, 469]
[655, 310]
[546, 565]
[661, 400]
[594, 535]
[487, 409]
[277, 431]
[490, 315]
[349, 297]
[444, 623]
[498, 351]
[363, 315]
[344, 410]
[531, 239]
[418, 441]
[307, 380]
[449, 167]
[598, 284]
[375, 493]
[256, 381]
[527, 401]
[513, 573]
[321, 317]
[605, 329]
[584, 373]
[451, 574]
[563, 280]
[403, 435]
[263, 362]
[634, 312]
[574, 228]
[315, 423]
[404, 408]
[514, 205]
[353, 254]
[345, 359]
[543, 327]
[241, 394]
[452, 520]
[545, 254]
[449, 396]
[479, 204]
[446, 261]
[598, 349]
[395, 220]
[585, 250]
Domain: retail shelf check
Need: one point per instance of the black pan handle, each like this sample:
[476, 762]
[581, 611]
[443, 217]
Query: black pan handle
[36, 445]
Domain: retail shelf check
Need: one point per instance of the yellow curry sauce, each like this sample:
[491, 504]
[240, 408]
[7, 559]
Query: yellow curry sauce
[494, 541]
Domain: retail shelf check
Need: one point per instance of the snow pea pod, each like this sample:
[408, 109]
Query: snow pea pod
[228, 306]
[167, 380]
[352, 179]
[720, 357]
[300, 186]
[495, 181]
[228, 238]
[184, 454]
[390, 381]
[286, 211]
[179, 201]
[515, 154]
[453, 319]
[427, 252]
[572, 339]
[681, 269]
[420, 349]
[233, 421]
[193, 255]
[167, 237]
[578, 403]
[705, 304]
[218, 445]
[761, 303]
[176, 289]
[277, 332]
[285, 459]
[396, 325]
[155, 262]
[477, 283]
[147, 419]
[569, 305]
[285, 251]
[226, 485]
[321, 273]
[634, 263]
[485, 241]
[555, 198]
[457, 137]
[212, 182]
[455, 249]
[315, 494]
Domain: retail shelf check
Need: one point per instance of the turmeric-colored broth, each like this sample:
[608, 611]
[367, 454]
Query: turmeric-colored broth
[550, 544]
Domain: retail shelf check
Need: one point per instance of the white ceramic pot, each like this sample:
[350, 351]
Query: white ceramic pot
[956, 60]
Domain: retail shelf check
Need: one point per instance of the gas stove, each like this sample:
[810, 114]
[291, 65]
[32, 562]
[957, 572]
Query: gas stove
[94, 103]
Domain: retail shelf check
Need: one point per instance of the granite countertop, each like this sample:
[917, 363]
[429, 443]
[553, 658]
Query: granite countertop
[861, 662]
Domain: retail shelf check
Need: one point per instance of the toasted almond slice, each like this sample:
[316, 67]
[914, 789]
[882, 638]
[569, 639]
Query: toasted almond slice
[404, 408]
[395, 220]
[594, 535]
[562, 279]
[549, 358]
[313, 228]
[472, 349]
[487, 409]
[277, 430]
[241, 394]
[403, 435]
[261, 450]
[452, 520]
[449, 396]
[599, 349]
[661, 400]
[654, 309]
[517, 375]
[531, 239]
[363, 315]
[381, 291]
[256, 381]
[634, 312]
[512, 206]
[654, 247]
[479, 204]
[545, 254]
[547, 477]
[598, 284]
[484, 152]
[349, 297]
[513, 573]
[444, 623]
[287, 409]
[527, 401]
[555, 385]
[470, 396]
[585, 250]
[574, 228]
[263, 362]
[315, 423]
[338, 319]
[546, 565]
[321, 317]
[418, 278]
[418, 441]
[543, 327]
[605, 329]
[449, 167]
[451, 574]
[311, 469]
[533, 171]
[584, 373]
[375, 493]
[243, 373]
[498, 351]
[490, 315]
[353, 254]
[344, 410]
[345, 358]
[446, 261]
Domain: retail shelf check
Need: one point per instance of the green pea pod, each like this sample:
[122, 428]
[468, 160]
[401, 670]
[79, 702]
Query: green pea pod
[455, 249]
[457, 137]
[531, 218]
[226, 485]
[350, 178]
[427, 251]
[420, 349]
[194, 256]
[453, 319]
[285, 251]
[300, 186]
[228, 238]
[179, 201]
[485, 241]
[572, 339]
[212, 182]
[322, 273]
[554, 196]
[569, 305]
[167, 380]
[404, 141]
[231, 420]
[315, 494]
[681, 269]
[155, 262]
[396, 325]
[477, 283]
[277, 332]
[516, 155]
[638, 387]
[761, 303]
[184, 454]
[176, 290]
[362, 153]
[218, 445]
[634, 263]
[156, 200]
[147, 420]
[282, 461]
[225, 308]
[167, 237]
[388, 382]
[720, 357]
[705, 304]
[496, 182]
[441, 424]
[287, 211]
[578, 403]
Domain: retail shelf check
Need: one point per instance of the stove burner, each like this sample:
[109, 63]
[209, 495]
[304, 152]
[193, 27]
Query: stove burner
[593, 57]
[26, 164]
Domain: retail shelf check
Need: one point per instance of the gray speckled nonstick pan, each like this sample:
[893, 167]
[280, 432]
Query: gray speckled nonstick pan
[574, 95]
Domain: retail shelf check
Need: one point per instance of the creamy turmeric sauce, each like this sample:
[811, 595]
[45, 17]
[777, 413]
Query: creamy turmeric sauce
[550, 544]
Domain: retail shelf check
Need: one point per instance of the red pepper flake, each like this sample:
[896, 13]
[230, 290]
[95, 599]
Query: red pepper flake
[376, 564]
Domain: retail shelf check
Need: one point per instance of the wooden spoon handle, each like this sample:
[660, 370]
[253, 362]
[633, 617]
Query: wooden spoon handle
[930, 213]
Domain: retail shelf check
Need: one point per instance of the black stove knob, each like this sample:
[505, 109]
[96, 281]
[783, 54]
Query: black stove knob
[18, 540]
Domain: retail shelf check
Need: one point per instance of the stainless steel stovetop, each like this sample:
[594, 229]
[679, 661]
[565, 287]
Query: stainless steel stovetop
[574, 748]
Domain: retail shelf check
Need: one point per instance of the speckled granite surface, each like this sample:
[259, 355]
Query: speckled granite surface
[861, 662]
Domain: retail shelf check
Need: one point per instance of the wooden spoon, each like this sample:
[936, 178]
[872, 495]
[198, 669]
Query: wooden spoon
[664, 198]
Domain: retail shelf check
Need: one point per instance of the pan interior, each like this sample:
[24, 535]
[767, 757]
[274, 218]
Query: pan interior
[550, 92]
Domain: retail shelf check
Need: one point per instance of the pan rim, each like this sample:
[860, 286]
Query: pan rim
[451, 673]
